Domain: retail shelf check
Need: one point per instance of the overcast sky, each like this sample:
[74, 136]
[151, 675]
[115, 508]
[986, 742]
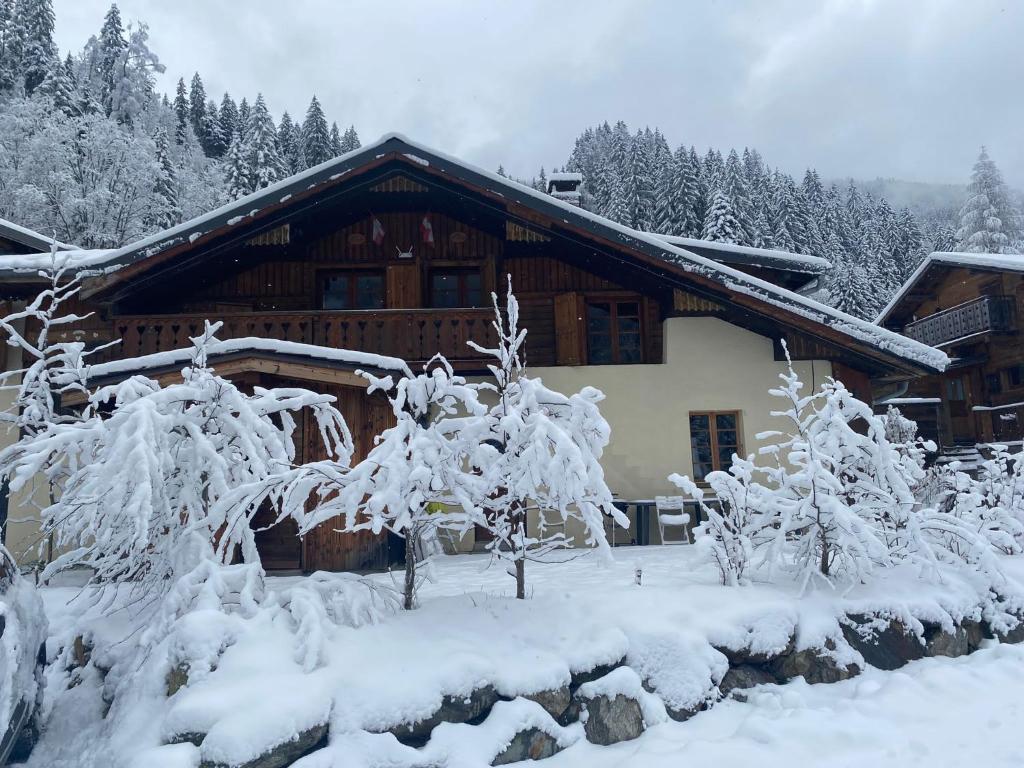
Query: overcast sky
[855, 88]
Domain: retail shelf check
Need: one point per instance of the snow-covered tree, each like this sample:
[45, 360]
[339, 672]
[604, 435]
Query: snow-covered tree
[197, 108]
[350, 140]
[538, 455]
[335, 140]
[316, 137]
[35, 21]
[112, 45]
[989, 223]
[146, 465]
[167, 209]
[181, 112]
[736, 524]
[415, 480]
[237, 169]
[264, 161]
[720, 222]
[229, 121]
[290, 145]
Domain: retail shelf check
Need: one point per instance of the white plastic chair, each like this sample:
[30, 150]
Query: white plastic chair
[673, 519]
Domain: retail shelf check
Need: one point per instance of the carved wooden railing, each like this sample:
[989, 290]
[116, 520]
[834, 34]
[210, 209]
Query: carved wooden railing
[986, 313]
[411, 335]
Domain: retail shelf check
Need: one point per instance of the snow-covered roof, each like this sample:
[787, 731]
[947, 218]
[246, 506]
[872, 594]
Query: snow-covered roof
[29, 238]
[29, 264]
[250, 344]
[1007, 262]
[674, 256]
[763, 257]
[565, 176]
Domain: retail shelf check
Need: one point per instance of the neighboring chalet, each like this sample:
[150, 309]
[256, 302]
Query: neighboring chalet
[969, 305]
[394, 249]
[15, 239]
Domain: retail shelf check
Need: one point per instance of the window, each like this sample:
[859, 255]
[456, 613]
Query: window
[714, 438]
[955, 389]
[1015, 376]
[455, 288]
[352, 290]
[613, 332]
[993, 383]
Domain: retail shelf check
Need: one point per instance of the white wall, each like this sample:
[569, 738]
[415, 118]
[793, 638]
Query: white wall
[710, 365]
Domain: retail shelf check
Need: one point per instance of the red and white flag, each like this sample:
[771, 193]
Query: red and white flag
[427, 230]
[378, 231]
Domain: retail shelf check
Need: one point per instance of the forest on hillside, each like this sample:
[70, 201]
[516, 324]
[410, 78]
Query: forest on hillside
[638, 180]
[92, 153]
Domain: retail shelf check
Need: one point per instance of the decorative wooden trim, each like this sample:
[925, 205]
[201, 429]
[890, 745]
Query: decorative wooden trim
[684, 301]
[281, 235]
[399, 184]
[517, 233]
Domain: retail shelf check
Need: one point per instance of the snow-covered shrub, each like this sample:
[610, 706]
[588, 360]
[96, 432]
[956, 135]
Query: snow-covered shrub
[538, 453]
[144, 468]
[22, 632]
[836, 500]
[992, 504]
[415, 467]
[52, 365]
[734, 526]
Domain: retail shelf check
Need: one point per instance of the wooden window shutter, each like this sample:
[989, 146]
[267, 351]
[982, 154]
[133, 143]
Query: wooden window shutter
[403, 286]
[569, 329]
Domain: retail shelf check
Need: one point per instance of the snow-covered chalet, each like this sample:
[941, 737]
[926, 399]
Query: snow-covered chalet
[394, 249]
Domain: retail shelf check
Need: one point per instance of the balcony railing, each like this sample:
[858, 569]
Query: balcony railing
[408, 334]
[981, 315]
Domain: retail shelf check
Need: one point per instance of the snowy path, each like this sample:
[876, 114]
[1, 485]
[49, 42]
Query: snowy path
[936, 712]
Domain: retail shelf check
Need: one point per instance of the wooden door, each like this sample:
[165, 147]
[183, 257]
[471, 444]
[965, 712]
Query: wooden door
[279, 545]
[958, 401]
[328, 547]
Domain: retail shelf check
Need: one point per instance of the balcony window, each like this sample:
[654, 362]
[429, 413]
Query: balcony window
[1015, 376]
[613, 332]
[455, 288]
[352, 290]
[714, 438]
[993, 383]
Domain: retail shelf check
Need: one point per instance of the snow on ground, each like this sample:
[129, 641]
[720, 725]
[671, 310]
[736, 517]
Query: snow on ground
[470, 632]
[933, 712]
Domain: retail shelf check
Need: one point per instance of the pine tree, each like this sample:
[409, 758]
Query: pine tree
[989, 222]
[335, 140]
[167, 210]
[265, 164]
[236, 169]
[197, 110]
[36, 22]
[59, 89]
[316, 137]
[944, 239]
[243, 116]
[636, 185]
[734, 184]
[669, 211]
[228, 117]
[181, 113]
[112, 47]
[288, 144]
[217, 140]
[720, 223]
[350, 140]
[10, 55]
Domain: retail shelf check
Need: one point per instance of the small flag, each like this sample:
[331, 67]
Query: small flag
[378, 231]
[427, 230]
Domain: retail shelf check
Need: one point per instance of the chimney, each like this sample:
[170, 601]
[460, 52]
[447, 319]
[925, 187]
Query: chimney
[566, 186]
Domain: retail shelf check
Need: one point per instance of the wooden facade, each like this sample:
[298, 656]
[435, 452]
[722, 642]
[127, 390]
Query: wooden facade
[398, 259]
[974, 313]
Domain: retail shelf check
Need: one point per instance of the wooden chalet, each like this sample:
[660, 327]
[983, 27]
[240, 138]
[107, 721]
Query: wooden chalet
[394, 249]
[969, 305]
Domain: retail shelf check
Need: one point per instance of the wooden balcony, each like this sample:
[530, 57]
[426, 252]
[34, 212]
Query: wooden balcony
[982, 315]
[412, 335]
